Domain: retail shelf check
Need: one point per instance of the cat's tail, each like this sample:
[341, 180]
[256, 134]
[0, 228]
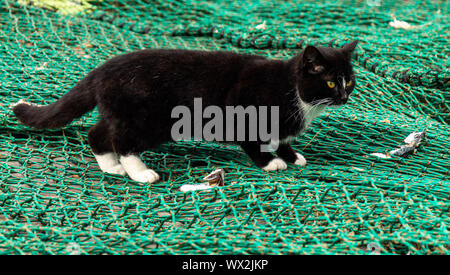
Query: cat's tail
[78, 101]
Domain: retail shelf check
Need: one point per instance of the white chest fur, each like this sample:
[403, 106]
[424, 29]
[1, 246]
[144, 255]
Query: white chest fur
[310, 112]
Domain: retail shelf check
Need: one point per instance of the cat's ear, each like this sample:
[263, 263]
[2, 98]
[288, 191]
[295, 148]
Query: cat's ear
[350, 47]
[313, 60]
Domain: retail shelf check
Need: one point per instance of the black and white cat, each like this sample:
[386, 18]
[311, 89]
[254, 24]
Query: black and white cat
[136, 92]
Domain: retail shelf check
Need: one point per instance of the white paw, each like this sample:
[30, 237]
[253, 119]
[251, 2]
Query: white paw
[118, 170]
[275, 164]
[148, 176]
[300, 160]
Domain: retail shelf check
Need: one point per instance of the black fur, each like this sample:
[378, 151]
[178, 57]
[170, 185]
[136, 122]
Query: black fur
[136, 92]
[78, 101]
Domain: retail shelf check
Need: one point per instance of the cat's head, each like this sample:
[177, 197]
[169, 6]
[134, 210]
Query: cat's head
[326, 74]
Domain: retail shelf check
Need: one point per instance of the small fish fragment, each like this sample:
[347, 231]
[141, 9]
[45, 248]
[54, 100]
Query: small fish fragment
[261, 26]
[381, 155]
[412, 141]
[194, 187]
[398, 24]
[415, 137]
[215, 178]
[402, 151]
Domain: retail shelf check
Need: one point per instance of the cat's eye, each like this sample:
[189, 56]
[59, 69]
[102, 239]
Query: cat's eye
[331, 84]
[348, 84]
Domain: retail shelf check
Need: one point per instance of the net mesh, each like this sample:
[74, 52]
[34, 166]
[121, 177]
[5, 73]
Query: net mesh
[53, 196]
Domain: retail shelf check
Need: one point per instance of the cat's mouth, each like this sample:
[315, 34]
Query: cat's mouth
[339, 102]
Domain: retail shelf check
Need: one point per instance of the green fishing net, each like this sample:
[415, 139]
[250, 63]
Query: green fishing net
[55, 200]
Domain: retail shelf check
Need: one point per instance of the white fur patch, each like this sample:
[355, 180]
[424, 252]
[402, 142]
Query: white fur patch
[288, 139]
[275, 164]
[273, 145]
[109, 164]
[344, 83]
[20, 102]
[24, 102]
[300, 160]
[137, 170]
[310, 112]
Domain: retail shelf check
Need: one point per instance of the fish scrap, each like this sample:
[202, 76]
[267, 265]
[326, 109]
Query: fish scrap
[215, 178]
[412, 141]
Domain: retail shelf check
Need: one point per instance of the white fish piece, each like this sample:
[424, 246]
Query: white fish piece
[398, 24]
[380, 155]
[194, 187]
[412, 142]
[414, 137]
[215, 178]
[262, 26]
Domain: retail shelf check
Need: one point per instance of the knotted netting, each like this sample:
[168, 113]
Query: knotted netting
[55, 200]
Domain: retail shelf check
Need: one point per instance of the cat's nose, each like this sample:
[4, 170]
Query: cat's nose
[341, 99]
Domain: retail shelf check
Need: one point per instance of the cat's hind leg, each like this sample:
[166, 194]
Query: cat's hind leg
[127, 145]
[100, 141]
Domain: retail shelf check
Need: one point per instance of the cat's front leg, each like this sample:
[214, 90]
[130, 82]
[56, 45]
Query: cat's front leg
[265, 160]
[137, 170]
[288, 154]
